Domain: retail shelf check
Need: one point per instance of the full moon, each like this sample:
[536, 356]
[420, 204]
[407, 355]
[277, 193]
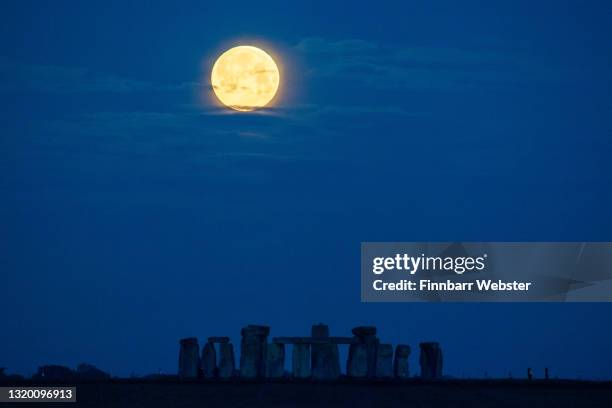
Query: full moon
[245, 78]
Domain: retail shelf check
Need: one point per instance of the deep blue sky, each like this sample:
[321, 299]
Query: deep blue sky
[135, 212]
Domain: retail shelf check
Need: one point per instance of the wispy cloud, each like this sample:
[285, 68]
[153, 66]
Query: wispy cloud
[159, 131]
[417, 68]
[21, 77]
[319, 46]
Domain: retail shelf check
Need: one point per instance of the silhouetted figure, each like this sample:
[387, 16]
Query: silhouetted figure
[546, 373]
[529, 373]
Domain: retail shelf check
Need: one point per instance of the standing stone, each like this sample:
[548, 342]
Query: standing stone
[367, 336]
[431, 360]
[357, 363]
[384, 361]
[401, 368]
[226, 360]
[319, 330]
[325, 357]
[301, 360]
[208, 363]
[275, 360]
[253, 351]
[189, 358]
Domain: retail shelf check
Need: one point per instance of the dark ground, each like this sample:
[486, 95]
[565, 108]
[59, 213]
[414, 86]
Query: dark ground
[353, 394]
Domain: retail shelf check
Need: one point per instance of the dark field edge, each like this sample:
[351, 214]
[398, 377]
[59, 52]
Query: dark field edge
[477, 383]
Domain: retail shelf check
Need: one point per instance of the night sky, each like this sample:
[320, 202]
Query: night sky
[135, 211]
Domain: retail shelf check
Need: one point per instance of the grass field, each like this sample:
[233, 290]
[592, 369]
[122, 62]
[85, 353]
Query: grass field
[350, 394]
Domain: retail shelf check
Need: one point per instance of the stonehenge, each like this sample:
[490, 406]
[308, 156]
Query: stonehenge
[431, 360]
[367, 335]
[357, 363]
[384, 361]
[189, 358]
[275, 360]
[400, 363]
[226, 360]
[208, 362]
[314, 357]
[301, 360]
[253, 351]
[325, 363]
[192, 366]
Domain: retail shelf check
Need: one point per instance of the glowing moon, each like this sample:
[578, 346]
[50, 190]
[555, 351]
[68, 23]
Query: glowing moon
[245, 78]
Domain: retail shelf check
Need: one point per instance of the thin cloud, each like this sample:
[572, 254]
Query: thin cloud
[316, 45]
[22, 77]
[418, 68]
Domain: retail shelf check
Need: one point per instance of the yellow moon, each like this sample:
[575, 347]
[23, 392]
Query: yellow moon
[245, 78]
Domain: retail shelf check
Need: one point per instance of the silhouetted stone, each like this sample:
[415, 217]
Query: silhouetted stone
[226, 360]
[431, 360]
[89, 372]
[401, 367]
[208, 363]
[367, 335]
[357, 363]
[319, 330]
[315, 340]
[218, 339]
[275, 360]
[384, 361]
[364, 331]
[189, 358]
[253, 351]
[301, 360]
[325, 362]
